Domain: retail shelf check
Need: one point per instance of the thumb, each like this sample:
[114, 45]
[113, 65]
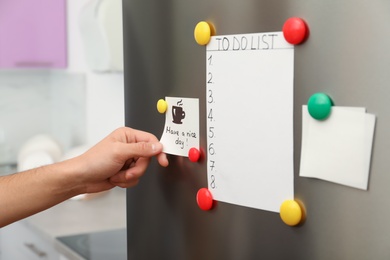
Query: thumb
[144, 149]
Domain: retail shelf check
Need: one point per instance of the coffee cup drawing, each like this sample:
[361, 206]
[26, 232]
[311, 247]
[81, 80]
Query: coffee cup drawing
[178, 114]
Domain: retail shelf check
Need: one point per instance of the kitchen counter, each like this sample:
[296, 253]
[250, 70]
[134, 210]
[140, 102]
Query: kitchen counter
[105, 212]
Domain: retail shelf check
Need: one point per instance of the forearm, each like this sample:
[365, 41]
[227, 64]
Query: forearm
[120, 159]
[26, 193]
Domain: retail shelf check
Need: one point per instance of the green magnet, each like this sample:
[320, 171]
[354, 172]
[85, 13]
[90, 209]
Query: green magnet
[319, 106]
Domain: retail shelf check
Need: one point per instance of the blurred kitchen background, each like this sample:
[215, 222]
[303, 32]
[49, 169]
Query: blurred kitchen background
[61, 91]
[73, 93]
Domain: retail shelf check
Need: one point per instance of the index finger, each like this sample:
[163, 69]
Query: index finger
[135, 136]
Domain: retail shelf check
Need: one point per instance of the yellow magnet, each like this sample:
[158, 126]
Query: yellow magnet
[291, 212]
[203, 32]
[162, 106]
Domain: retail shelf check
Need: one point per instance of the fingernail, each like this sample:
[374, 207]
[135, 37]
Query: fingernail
[157, 146]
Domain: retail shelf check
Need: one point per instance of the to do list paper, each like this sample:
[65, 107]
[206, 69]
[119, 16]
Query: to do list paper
[250, 119]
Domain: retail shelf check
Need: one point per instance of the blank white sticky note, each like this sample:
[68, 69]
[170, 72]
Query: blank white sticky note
[338, 149]
[250, 119]
[181, 130]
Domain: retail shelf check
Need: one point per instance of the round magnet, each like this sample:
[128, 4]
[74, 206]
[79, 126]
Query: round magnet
[319, 106]
[162, 106]
[204, 199]
[291, 212]
[202, 33]
[295, 30]
[194, 154]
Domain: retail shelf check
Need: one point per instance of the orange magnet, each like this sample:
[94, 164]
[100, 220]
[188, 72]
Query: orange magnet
[203, 32]
[295, 30]
[162, 106]
[291, 212]
[204, 199]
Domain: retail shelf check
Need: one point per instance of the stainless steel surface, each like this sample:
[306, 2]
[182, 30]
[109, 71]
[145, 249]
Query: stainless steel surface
[345, 56]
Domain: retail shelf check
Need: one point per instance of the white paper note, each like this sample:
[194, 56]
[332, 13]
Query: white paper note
[181, 130]
[338, 149]
[250, 119]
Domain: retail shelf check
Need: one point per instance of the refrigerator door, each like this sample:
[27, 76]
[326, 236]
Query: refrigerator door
[345, 56]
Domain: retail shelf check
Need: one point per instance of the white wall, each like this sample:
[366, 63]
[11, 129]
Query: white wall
[35, 102]
[104, 91]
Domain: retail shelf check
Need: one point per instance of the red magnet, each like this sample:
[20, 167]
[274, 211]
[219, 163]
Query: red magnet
[204, 199]
[295, 30]
[194, 154]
